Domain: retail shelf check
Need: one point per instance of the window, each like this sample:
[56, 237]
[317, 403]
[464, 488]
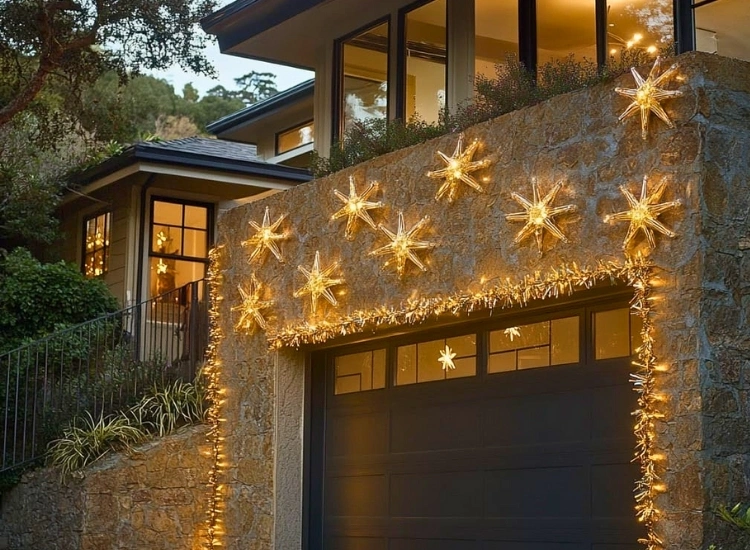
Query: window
[96, 245]
[721, 27]
[360, 371]
[644, 25]
[617, 333]
[495, 34]
[294, 137]
[179, 244]
[421, 362]
[425, 51]
[565, 28]
[364, 76]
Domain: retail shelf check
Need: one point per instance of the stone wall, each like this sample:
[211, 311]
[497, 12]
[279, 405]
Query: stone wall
[155, 499]
[575, 138]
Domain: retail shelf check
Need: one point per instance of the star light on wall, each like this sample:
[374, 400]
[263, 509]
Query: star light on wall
[252, 306]
[458, 168]
[643, 213]
[356, 206]
[539, 215]
[265, 237]
[446, 358]
[647, 96]
[319, 283]
[403, 244]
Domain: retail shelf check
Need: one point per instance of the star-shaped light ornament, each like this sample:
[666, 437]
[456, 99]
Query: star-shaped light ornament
[647, 96]
[446, 358]
[643, 213]
[458, 168]
[319, 283]
[252, 306]
[356, 206]
[162, 268]
[403, 244]
[265, 237]
[539, 215]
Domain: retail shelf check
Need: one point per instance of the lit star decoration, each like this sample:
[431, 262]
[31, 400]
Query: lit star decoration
[251, 307]
[458, 168]
[446, 358]
[161, 267]
[647, 96]
[539, 215]
[162, 239]
[356, 206]
[265, 237]
[643, 213]
[403, 244]
[319, 283]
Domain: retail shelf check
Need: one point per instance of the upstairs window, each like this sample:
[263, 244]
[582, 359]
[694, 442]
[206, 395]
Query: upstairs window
[721, 27]
[294, 137]
[96, 244]
[495, 35]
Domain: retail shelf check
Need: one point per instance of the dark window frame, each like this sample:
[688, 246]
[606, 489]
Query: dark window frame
[287, 130]
[105, 248]
[209, 228]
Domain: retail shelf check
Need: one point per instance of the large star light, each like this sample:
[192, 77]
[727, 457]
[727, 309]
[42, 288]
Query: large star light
[265, 237]
[647, 96]
[318, 283]
[356, 206]
[458, 168]
[539, 215]
[403, 244]
[643, 213]
[251, 307]
[446, 358]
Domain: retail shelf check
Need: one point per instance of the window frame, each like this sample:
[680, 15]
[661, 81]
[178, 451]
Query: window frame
[276, 149]
[209, 228]
[107, 239]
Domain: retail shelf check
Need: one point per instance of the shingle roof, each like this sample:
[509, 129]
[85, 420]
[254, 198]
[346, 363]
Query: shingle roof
[205, 146]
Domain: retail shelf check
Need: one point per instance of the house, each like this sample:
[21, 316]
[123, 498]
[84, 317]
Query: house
[466, 391]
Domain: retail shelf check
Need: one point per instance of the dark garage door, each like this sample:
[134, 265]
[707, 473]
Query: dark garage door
[525, 445]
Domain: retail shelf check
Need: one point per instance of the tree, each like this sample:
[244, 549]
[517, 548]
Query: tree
[254, 87]
[51, 49]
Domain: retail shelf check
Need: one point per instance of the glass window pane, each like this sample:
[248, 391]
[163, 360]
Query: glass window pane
[196, 217]
[496, 34]
[524, 336]
[296, 137]
[167, 240]
[353, 372]
[169, 213]
[463, 345]
[406, 365]
[612, 333]
[425, 61]
[195, 243]
[564, 28]
[96, 246]
[466, 366]
[502, 362]
[532, 358]
[429, 366]
[378, 369]
[365, 74]
[637, 26]
[722, 27]
[167, 274]
[565, 341]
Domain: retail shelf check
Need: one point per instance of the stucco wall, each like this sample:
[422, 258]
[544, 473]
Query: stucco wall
[576, 138]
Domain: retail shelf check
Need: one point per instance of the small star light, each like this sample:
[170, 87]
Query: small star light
[647, 96]
[643, 213]
[539, 215]
[446, 358]
[319, 282]
[458, 169]
[161, 267]
[162, 239]
[356, 206]
[403, 244]
[251, 306]
[265, 237]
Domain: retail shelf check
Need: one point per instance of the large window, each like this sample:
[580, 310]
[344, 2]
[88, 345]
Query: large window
[638, 25]
[293, 138]
[179, 244]
[495, 34]
[96, 232]
[565, 28]
[721, 26]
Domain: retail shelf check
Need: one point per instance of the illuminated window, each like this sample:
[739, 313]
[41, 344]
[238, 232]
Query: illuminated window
[360, 371]
[638, 26]
[364, 74]
[421, 362]
[617, 333]
[565, 28]
[495, 34]
[179, 244]
[294, 137]
[96, 246]
[721, 27]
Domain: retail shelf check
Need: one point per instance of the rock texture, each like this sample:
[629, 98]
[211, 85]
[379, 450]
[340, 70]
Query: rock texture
[155, 499]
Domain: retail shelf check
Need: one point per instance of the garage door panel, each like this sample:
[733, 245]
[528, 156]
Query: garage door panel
[607, 405]
[356, 543]
[358, 434]
[611, 489]
[446, 494]
[356, 496]
[532, 545]
[432, 544]
[413, 429]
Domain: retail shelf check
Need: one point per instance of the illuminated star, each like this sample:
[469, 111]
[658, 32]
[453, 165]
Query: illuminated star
[643, 213]
[162, 239]
[403, 244]
[251, 306]
[539, 215]
[446, 358]
[458, 168]
[647, 96]
[161, 267]
[265, 237]
[319, 282]
[512, 332]
[356, 206]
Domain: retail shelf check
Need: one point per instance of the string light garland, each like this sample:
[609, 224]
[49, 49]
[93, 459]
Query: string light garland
[265, 237]
[252, 306]
[539, 215]
[318, 283]
[643, 213]
[647, 95]
[403, 244]
[356, 206]
[458, 168]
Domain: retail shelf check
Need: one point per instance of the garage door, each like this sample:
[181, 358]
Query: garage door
[515, 436]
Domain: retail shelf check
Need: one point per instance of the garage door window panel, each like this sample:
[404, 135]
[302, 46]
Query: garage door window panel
[358, 372]
[416, 363]
[617, 333]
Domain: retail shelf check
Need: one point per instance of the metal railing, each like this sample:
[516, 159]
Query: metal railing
[100, 367]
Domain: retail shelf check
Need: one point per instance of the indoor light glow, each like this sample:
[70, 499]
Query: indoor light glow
[265, 237]
[318, 283]
[356, 206]
[458, 168]
[403, 244]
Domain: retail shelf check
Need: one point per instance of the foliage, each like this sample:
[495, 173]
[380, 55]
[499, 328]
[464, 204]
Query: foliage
[252, 87]
[737, 517]
[162, 411]
[37, 298]
[512, 88]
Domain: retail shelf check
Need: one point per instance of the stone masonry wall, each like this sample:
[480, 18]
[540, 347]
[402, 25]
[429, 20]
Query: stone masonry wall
[575, 138]
[154, 499]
